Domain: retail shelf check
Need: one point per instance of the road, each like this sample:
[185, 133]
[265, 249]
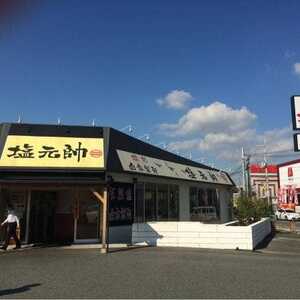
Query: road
[152, 273]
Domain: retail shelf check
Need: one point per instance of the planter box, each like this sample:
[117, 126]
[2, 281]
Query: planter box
[196, 234]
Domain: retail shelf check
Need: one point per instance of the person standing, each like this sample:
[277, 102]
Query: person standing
[12, 222]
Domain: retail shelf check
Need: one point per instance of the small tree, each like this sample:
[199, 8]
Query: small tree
[250, 209]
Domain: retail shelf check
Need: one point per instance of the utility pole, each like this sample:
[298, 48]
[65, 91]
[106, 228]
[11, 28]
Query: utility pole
[249, 192]
[243, 171]
[265, 166]
[266, 172]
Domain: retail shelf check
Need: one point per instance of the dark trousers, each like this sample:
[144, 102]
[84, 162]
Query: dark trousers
[11, 232]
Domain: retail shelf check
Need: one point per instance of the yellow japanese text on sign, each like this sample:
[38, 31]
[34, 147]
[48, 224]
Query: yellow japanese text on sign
[52, 152]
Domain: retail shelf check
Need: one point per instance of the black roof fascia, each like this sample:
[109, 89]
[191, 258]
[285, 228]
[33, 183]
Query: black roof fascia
[121, 141]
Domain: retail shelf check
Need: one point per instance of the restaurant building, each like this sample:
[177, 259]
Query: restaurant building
[77, 184]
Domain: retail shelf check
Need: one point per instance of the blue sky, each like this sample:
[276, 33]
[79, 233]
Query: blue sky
[112, 60]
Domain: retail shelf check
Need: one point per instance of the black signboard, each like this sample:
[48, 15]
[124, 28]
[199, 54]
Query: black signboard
[121, 204]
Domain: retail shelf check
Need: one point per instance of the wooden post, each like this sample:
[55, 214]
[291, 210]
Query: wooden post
[103, 200]
[75, 211]
[28, 216]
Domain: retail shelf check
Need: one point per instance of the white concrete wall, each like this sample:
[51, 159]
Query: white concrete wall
[260, 230]
[199, 235]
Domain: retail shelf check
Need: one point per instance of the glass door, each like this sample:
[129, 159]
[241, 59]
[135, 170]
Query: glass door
[87, 220]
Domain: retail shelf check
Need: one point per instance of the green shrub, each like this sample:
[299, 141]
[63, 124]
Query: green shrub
[251, 209]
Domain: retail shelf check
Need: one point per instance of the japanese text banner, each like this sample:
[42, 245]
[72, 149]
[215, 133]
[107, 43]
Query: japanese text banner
[137, 163]
[52, 152]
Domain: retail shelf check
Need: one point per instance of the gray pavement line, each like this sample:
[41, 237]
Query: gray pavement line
[278, 252]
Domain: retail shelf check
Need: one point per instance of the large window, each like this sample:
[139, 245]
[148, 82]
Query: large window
[150, 202]
[174, 203]
[193, 198]
[204, 204]
[156, 202]
[202, 197]
[121, 204]
[213, 200]
[139, 203]
[162, 202]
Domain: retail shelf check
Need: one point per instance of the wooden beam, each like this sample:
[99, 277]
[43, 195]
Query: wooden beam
[104, 221]
[98, 195]
[28, 208]
[103, 199]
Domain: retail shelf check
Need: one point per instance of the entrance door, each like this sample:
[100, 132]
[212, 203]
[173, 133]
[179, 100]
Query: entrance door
[87, 220]
[42, 214]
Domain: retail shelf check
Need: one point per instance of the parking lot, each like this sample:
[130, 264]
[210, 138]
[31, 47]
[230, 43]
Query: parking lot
[270, 272]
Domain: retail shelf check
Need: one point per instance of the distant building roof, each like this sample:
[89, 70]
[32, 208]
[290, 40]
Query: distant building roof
[255, 168]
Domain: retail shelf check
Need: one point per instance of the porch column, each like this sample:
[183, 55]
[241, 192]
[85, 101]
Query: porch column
[28, 216]
[103, 199]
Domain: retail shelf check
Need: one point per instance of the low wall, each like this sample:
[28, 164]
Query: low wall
[199, 235]
[260, 230]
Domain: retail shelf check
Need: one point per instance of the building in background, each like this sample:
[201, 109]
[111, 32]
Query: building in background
[261, 179]
[289, 184]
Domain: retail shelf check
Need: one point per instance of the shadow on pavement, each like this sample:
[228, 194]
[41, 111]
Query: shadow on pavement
[114, 250]
[21, 289]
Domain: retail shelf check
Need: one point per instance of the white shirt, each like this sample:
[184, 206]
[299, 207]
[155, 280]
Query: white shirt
[11, 218]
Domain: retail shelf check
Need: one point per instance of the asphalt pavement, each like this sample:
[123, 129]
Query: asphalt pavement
[152, 273]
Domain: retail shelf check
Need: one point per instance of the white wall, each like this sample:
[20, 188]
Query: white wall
[259, 231]
[199, 235]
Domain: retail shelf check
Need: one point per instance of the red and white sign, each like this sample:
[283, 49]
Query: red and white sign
[289, 174]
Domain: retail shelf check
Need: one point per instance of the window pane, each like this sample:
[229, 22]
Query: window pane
[139, 203]
[162, 200]
[210, 197]
[193, 199]
[201, 197]
[174, 203]
[150, 202]
[213, 200]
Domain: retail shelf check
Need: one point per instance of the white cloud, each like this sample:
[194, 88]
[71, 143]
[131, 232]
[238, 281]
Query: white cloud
[297, 68]
[176, 99]
[226, 146]
[216, 117]
[221, 131]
